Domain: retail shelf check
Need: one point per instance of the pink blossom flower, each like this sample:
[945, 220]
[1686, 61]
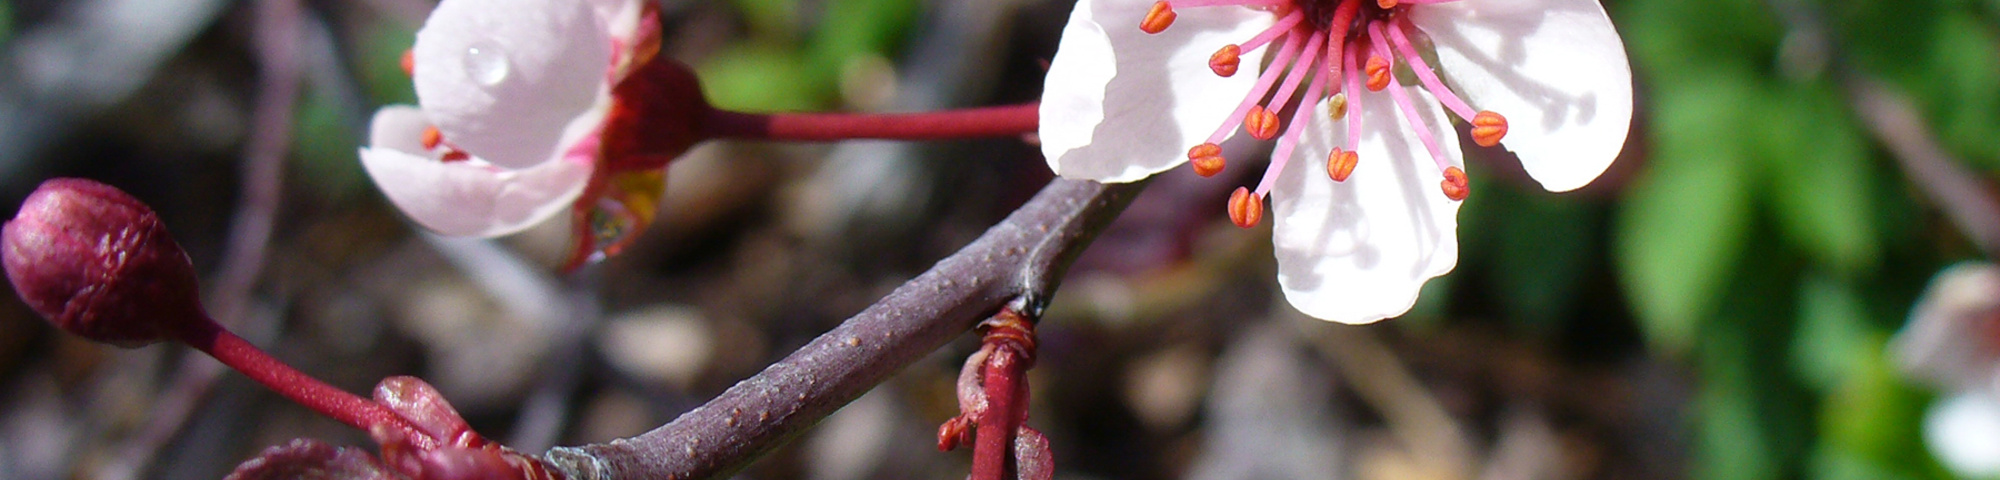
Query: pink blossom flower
[1365, 178]
[530, 106]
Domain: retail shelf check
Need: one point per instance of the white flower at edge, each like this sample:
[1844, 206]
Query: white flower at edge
[513, 95]
[1952, 341]
[1121, 104]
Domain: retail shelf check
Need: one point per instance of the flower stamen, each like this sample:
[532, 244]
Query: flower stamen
[1455, 185]
[1250, 101]
[431, 138]
[1283, 152]
[1488, 128]
[1340, 164]
[1207, 159]
[1159, 18]
[1379, 73]
[1353, 101]
[1409, 108]
[1226, 60]
[1245, 209]
[1261, 123]
[1283, 27]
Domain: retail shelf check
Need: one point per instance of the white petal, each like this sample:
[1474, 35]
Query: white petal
[1555, 68]
[1120, 104]
[1945, 340]
[470, 198]
[1961, 433]
[502, 78]
[618, 18]
[1358, 251]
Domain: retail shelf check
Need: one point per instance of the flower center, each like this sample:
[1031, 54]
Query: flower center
[1318, 46]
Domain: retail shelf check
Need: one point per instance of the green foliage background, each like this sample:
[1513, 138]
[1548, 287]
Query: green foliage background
[1771, 243]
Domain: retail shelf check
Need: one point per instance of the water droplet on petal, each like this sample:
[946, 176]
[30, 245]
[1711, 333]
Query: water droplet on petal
[617, 216]
[486, 63]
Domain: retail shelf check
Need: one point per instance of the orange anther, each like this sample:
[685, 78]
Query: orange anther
[1159, 18]
[432, 137]
[1206, 159]
[1336, 106]
[454, 156]
[1245, 210]
[1261, 123]
[409, 62]
[1379, 74]
[1340, 164]
[1386, 4]
[1488, 128]
[1226, 59]
[1454, 184]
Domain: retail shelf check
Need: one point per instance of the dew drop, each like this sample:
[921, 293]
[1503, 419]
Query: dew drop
[486, 63]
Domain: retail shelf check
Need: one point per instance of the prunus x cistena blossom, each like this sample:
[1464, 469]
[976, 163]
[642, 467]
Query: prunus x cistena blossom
[1366, 175]
[527, 107]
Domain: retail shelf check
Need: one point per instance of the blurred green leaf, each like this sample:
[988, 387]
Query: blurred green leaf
[1683, 224]
[6, 21]
[1965, 57]
[379, 63]
[1873, 422]
[770, 19]
[1833, 335]
[858, 28]
[325, 148]
[1753, 419]
[763, 78]
[1820, 178]
[1545, 243]
[1670, 39]
[1939, 51]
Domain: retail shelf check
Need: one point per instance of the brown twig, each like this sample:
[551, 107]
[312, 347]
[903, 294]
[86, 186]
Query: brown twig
[1968, 202]
[1016, 264]
[276, 40]
[1972, 205]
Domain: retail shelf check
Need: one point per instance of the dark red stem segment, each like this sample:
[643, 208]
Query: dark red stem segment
[1012, 336]
[303, 389]
[984, 122]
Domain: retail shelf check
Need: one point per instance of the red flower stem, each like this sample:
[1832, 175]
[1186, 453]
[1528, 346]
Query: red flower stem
[992, 450]
[231, 350]
[1003, 121]
[1011, 335]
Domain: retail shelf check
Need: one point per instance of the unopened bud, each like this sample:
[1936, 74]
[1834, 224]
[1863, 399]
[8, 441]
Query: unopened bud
[99, 264]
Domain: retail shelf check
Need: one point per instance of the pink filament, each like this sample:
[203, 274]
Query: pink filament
[1282, 154]
[1224, 3]
[1353, 90]
[1286, 53]
[1283, 26]
[1298, 73]
[1424, 72]
[1409, 108]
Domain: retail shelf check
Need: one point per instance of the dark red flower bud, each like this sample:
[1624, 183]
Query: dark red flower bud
[99, 264]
